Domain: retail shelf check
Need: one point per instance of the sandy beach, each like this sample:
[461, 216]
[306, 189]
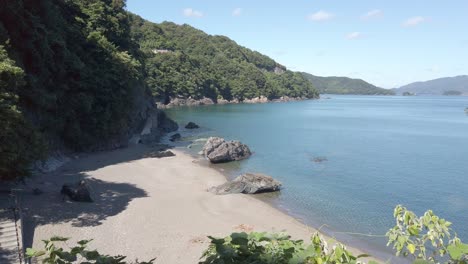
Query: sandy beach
[146, 207]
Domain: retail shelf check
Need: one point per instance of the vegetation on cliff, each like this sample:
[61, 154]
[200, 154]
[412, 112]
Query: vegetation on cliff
[80, 72]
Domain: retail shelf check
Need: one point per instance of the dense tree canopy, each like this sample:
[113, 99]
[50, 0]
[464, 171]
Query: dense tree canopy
[80, 74]
[186, 62]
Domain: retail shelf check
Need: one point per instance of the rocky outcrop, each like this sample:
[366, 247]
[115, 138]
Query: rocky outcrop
[78, 192]
[54, 161]
[191, 125]
[186, 102]
[160, 154]
[174, 102]
[175, 137]
[257, 100]
[249, 183]
[289, 99]
[223, 101]
[218, 150]
[157, 124]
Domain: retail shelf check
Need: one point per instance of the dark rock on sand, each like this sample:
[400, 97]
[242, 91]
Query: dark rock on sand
[77, 192]
[160, 154]
[248, 183]
[191, 125]
[218, 150]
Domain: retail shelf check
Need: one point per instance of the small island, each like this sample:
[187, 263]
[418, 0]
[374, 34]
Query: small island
[452, 93]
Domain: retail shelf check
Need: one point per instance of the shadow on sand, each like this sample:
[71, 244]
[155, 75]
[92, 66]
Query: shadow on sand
[110, 198]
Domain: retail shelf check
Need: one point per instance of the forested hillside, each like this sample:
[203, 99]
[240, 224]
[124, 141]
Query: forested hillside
[345, 85]
[69, 76]
[457, 85]
[83, 75]
[186, 62]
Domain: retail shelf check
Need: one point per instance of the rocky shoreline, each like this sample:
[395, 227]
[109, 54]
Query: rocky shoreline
[176, 102]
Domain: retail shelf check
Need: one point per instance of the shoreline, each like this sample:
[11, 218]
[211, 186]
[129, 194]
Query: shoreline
[190, 102]
[348, 239]
[152, 207]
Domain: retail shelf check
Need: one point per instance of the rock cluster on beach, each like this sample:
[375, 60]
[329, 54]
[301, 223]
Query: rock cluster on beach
[77, 192]
[249, 183]
[218, 150]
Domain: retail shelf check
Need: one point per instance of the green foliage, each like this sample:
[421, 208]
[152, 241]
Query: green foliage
[82, 74]
[344, 85]
[20, 145]
[274, 248]
[55, 254]
[427, 238]
[182, 61]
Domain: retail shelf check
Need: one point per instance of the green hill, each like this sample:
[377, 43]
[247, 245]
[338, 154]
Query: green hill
[345, 85]
[457, 85]
[83, 75]
[182, 61]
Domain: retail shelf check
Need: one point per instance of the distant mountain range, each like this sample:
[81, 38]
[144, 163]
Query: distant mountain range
[345, 85]
[457, 85]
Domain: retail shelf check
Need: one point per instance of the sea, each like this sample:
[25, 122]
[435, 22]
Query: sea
[346, 161]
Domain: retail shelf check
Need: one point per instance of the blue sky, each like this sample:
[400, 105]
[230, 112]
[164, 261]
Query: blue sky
[387, 43]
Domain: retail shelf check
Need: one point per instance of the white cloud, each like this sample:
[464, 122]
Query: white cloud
[414, 21]
[189, 12]
[320, 16]
[376, 13]
[354, 35]
[237, 12]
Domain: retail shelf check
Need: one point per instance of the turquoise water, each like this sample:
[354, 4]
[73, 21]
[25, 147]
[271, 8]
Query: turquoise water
[379, 151]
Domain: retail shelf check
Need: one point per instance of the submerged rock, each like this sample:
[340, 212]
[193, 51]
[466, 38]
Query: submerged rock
[319, 159]
[77, 192]
[249, 183]
[175, 137]
[191, 125]
[218, 150]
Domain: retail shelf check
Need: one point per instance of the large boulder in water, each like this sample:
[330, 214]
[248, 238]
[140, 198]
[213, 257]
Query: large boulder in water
[248, 183]
[191, 125]
[218, 150]
[78, 192]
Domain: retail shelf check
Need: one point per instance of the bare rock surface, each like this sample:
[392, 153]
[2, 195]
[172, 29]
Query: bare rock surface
[218, 150]
[249, 183]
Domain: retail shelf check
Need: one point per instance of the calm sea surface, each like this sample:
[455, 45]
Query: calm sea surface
[376, 152]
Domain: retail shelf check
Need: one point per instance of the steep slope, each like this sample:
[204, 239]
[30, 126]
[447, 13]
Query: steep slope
[70, 77]
[457, 85]
[345, 85]
[182, 61]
